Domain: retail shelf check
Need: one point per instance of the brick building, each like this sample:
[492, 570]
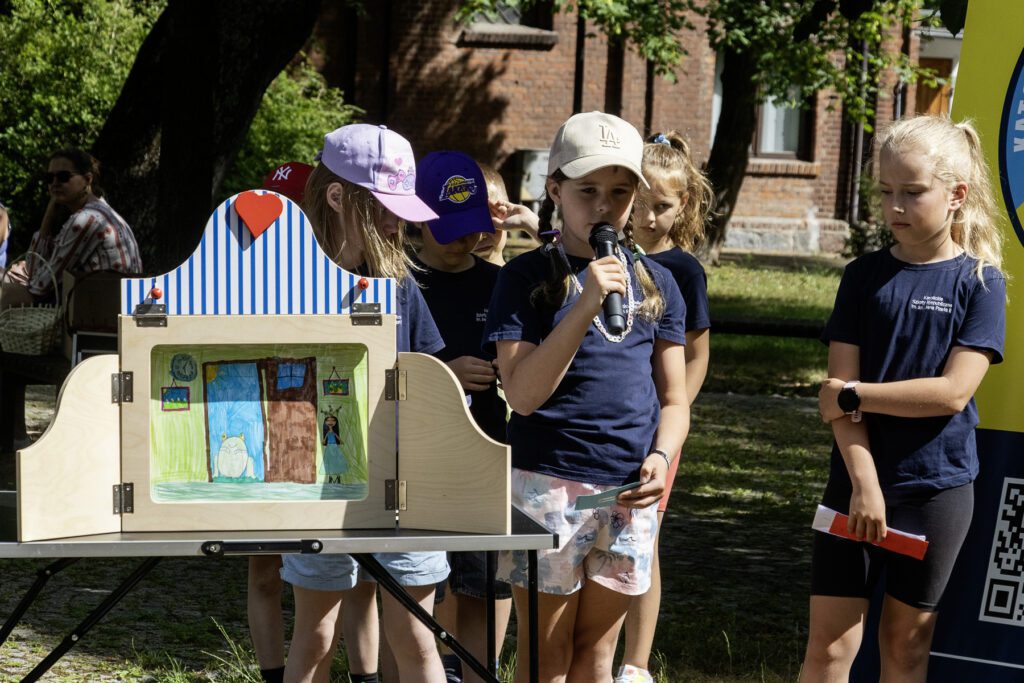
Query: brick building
[499, 88]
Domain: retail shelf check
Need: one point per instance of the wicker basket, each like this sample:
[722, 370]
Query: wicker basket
[31, 330]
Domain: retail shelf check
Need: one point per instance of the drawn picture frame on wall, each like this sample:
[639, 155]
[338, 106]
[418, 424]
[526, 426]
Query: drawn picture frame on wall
[335, 384]
[336, 387]
[174, 399]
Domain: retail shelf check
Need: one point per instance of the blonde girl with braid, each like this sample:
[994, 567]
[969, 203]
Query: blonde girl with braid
[913, 332]
[669, 220]
[358, 199]
[592, 410]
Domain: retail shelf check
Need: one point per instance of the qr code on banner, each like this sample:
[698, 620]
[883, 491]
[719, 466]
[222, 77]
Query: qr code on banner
[1003, 601]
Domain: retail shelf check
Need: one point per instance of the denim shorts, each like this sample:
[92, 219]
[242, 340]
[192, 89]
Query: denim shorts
[612, 546]
[341, 572]
[469, 576]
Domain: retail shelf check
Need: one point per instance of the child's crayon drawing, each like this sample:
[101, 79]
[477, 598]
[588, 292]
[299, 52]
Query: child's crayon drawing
[261, 433]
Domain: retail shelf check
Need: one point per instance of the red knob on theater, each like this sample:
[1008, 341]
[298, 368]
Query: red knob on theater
[364, 283]
[156, 293]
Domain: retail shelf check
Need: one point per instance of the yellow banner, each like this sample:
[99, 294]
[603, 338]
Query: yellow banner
[990, 90]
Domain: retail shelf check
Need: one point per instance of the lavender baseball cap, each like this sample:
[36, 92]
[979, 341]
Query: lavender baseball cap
[453, 185]
[380, 160]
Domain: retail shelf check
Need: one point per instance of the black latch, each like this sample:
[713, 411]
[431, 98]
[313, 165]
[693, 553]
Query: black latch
[394, 494]
[150, 315]
[122, 387]
[366, 314]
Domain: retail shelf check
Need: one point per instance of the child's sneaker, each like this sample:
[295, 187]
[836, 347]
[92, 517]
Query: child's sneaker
[632, 674]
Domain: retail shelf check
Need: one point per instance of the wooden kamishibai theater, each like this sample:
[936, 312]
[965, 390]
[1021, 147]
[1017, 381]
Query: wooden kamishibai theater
[257, 387]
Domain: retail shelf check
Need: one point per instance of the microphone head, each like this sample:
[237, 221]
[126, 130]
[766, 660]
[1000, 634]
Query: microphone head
[603, 233]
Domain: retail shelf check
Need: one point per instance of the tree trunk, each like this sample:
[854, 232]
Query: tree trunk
[730, 150]
[184, 110]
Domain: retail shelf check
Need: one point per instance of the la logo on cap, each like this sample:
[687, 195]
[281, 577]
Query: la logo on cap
[608, 137]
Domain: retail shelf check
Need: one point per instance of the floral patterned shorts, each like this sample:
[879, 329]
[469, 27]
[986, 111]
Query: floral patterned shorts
[613, 546]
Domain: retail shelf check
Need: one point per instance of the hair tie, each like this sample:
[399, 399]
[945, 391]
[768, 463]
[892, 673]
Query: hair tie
[550, 236]
[638, 250]
[660, 139]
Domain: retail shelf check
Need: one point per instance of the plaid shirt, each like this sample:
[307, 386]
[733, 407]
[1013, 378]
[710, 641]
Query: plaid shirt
[94, 238]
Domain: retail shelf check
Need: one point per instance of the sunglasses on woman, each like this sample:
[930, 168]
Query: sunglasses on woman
[60, 176]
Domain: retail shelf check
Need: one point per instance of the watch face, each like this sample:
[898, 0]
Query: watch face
[848, 400]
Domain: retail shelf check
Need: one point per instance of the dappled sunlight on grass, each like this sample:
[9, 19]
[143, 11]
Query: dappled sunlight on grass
[736, 539]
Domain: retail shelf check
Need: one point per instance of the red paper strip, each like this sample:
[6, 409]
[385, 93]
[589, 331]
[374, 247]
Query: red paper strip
[896, 542]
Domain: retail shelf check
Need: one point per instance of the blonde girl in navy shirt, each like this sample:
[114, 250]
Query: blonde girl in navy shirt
[914, 329]
[592, 410]
[669, 222]
[356, 199]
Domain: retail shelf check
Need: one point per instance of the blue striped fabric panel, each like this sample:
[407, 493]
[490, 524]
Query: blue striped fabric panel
[282, 272]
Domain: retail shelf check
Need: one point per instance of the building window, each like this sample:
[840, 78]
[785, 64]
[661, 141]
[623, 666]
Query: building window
[508, 26]
[782, 131]
[290, 376]
[538, 15]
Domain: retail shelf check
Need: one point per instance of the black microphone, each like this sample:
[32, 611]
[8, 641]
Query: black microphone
[603, 239]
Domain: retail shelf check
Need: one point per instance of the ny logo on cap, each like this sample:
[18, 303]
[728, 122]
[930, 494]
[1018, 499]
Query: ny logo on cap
[283, 173]
[608, 137]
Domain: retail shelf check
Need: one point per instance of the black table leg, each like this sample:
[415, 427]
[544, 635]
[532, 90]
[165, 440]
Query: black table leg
[91, 619]
[531, 578]
[388, 583]
[42, 576]
[490, 570]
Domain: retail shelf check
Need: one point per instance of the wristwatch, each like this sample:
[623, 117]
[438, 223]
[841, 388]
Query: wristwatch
[849, 401]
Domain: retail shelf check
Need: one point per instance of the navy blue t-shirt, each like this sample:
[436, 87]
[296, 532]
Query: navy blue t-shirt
[458, 303]
[906, 318]
[599, 423]
[693, 285]
[416, 329]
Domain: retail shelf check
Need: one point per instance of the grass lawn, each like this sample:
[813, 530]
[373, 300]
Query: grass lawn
[735, 544]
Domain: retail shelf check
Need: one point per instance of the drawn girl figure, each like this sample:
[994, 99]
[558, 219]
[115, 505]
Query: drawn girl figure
[334, 463]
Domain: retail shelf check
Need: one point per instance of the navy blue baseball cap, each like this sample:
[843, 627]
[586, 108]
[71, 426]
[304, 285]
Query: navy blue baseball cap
[453, 185]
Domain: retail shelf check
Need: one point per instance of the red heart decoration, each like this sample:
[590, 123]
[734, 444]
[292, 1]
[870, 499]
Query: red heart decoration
[258, 211]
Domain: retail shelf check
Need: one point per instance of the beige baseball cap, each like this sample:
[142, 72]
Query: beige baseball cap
[594, 140]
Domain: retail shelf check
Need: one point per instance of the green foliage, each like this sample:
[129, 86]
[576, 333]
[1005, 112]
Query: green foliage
[297, 110]
[869, 233]
[62, 64]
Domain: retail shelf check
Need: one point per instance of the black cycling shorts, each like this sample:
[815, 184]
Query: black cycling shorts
[845, 568]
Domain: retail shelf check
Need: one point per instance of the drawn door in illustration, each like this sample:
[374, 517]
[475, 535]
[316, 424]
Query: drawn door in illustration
[235, 422]
[291, 419]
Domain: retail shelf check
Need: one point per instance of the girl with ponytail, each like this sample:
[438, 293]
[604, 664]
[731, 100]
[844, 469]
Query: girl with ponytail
[669, 219]
[914, 329]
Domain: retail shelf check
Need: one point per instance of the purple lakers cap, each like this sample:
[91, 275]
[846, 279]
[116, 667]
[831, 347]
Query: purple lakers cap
[380, 160]
[453, 185]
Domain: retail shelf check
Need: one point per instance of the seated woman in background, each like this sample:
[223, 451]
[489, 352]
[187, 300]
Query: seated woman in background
[80, 233]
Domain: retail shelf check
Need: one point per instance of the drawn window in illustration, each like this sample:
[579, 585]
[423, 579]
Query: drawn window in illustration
[290, 376]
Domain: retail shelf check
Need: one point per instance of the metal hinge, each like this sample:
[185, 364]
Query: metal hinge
[121, 387]
[395, 382]
[124, 498]
[394, 494]
[365, 314]
[150, 315]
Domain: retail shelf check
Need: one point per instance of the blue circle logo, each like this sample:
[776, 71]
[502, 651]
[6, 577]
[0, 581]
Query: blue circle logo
[1011, 150]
